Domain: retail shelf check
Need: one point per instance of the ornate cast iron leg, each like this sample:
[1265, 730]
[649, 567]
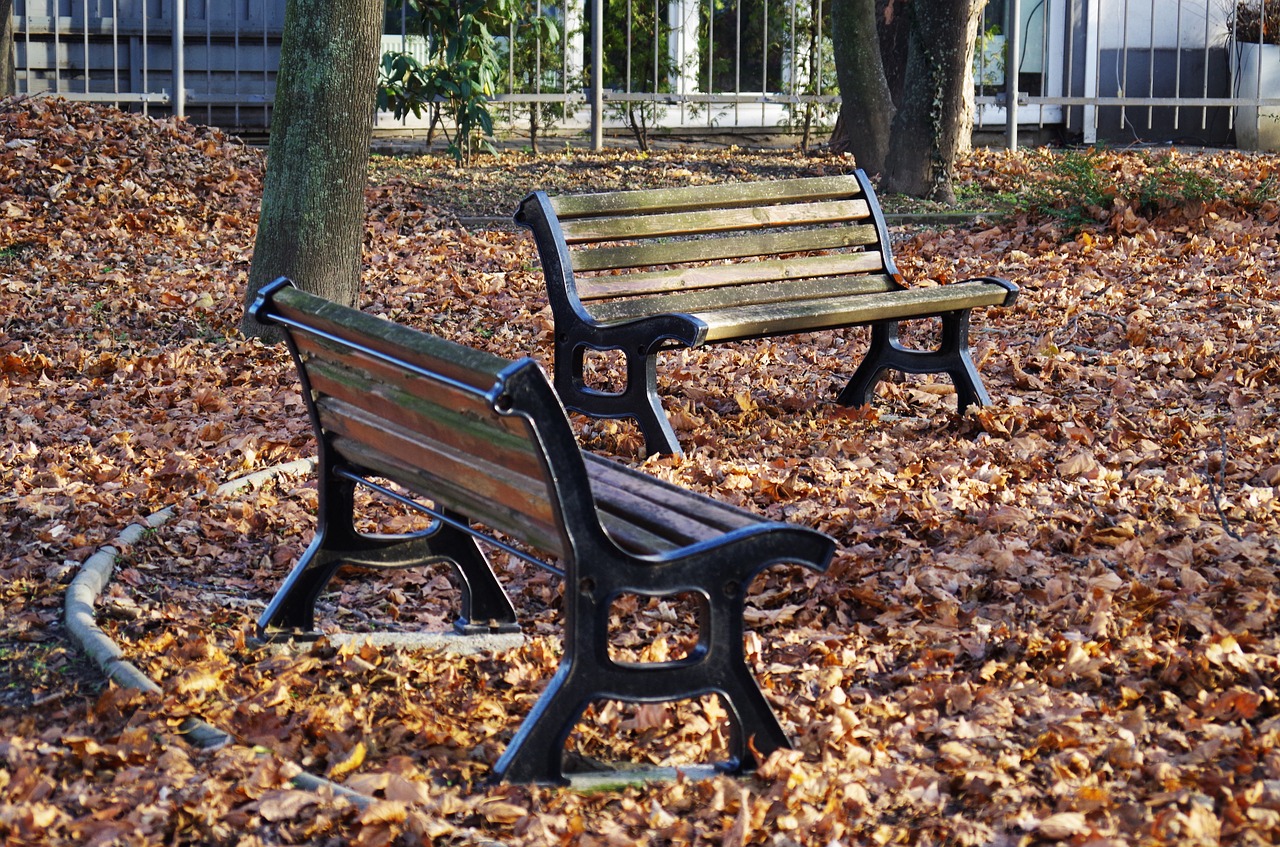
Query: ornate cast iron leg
[639, 400]
[952, 358]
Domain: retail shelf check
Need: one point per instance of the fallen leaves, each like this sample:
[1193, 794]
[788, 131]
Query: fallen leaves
[1051, 620]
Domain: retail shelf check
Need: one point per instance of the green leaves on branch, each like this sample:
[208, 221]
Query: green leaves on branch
[456, 65]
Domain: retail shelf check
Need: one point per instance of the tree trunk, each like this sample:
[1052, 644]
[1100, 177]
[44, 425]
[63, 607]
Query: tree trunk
[931, 124]
[311, 227]
[8, 77]
[866, 110]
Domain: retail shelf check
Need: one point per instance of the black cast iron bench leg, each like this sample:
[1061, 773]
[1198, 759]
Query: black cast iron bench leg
[485, 607]
[952, 357]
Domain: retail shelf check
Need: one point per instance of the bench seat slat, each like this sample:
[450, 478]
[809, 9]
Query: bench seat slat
[807, 316]
[591, 230]
[648, 515]
[714, 276]
[685, 198]
[758, 294]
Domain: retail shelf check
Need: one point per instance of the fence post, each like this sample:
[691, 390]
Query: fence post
[597, 74]
[179, 58]
[1012, 52]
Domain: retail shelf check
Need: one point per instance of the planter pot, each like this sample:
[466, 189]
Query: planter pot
[1255, 73]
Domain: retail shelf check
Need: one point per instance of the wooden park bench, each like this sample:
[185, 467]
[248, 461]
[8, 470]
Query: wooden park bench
[483, 446]
[643, 271]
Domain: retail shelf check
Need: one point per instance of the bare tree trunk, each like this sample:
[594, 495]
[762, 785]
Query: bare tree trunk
[312, 222]
[8, 76]
[931, 125]
[866, 110]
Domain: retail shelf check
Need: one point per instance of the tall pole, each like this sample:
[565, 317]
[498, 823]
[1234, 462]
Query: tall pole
[597, 74]
[1012, 54]
[179, 58]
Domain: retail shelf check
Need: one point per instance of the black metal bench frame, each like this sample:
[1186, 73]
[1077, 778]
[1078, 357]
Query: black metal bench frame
[483, 446]
[640, 272]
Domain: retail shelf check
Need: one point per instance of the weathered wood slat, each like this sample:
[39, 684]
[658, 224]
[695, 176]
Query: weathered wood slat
[698, 302]
[650, 516]
[476, 367]
[656, 254]
[590, 230]
[507, 501]
[804, 316]
[497, 438]
[372, 369]
[688, 198]
[608, 286]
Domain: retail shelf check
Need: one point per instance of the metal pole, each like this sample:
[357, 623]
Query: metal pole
[597, 75]
[1012, 51]
[179, 58]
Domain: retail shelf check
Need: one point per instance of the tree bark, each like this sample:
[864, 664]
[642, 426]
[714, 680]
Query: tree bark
[932, 123]
[311, 226]
[8, 76]
[866, 109]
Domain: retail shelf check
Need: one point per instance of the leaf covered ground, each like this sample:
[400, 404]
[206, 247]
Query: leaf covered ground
[1053, 620]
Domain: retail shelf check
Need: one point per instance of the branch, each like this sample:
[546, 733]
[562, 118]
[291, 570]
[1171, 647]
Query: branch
[1215, 491]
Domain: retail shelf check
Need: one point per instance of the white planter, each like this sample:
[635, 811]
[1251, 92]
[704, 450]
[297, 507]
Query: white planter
[1255, 74]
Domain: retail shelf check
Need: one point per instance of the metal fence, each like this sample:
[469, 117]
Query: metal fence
[1085, 70]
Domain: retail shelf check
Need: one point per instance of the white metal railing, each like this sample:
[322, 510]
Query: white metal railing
[1093, 69]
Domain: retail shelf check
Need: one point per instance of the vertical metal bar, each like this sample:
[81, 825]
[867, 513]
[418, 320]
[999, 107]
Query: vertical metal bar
[597, 75]
[657, 30]
[1013, 32]
[1204, 110]
[146, 60]
[1151, 63]
[179, 58]
[764, 54]
[711, 57]
[266, 64]
[626, 85]
[115, 47]
[235, 65]
[1177, 52]
[1124, 65]
[57, 46]
[1069, 25]
[737, 64]
[1092, 82]
[208, 63]
[85, 34]
[795, 48]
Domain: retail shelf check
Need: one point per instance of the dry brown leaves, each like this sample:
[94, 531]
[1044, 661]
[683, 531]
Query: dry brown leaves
[1054, 620]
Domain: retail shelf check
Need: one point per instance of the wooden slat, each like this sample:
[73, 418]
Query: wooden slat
[648, 515]
[590, 230]
[806, 316]
[391, 372]
[463, 364]
[687, 198]
[657, 254]
[485, 491]
[760, 294]
[501, 439]
[739, 273]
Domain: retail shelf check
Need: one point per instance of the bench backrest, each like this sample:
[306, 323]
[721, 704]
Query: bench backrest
[641, 243]
[473, 433]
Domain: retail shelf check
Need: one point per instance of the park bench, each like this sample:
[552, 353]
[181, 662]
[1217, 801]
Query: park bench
[482, 445]
[643, 271]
